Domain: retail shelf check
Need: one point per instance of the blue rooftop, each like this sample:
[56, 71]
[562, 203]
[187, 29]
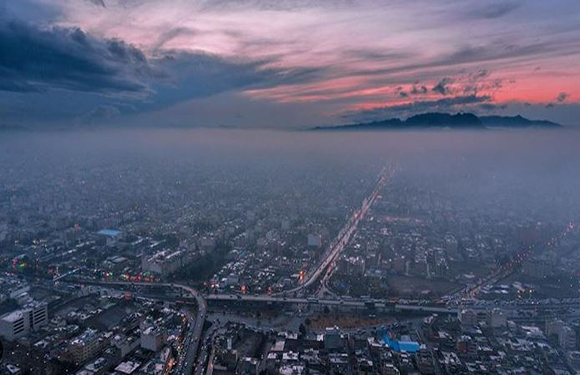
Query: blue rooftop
[401, 346]
[109, 232]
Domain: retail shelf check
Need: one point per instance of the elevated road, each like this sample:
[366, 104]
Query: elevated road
[507, 269]
[356, 304]
[424, 306]
[344, 236]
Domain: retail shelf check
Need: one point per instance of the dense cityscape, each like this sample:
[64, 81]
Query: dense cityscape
[122, 265]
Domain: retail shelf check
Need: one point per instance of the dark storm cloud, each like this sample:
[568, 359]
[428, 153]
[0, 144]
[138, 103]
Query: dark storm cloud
[33, 60]
[103, 73]
[442, 86]
[418, 89]
[68, 58]
[443, 105]
[562, 97]
[494, 10]
[197, 75]
[480, 81]
[402, 93]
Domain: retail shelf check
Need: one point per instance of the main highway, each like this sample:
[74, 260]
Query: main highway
[339, 244]
[347, 303]
[400, 305]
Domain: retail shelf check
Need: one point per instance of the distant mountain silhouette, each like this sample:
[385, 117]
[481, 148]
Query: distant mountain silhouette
[516, 122]
[446, 120]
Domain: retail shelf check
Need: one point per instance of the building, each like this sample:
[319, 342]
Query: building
[111, 236]
[466, 345]
[127, 367]
[565, 335]
[567, 338]
[39, 314]
[153, 338]
[467, 317]
[87, 345]
[553, 327]
[333, 338]
[126, 344]
[497, 318]
[165, 262]
[249, 366]
[314, 240]
[20, 322]
[14, 324]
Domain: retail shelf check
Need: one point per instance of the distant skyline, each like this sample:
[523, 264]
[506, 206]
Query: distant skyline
[256, 63]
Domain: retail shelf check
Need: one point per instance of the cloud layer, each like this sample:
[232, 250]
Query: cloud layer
[59, 58]
[112, 61]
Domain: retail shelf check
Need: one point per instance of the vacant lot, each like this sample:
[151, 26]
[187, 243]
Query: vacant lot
[413, 286]
[346, 322]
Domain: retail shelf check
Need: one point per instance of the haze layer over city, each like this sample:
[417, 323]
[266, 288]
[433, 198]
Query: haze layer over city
[294, 187]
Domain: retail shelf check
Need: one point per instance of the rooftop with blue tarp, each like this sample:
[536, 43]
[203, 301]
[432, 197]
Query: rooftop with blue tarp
[109, 232]
[404, 345]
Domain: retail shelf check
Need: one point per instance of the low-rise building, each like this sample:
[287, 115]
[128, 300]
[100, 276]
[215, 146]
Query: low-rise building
[87, 345]
[165, 262]
[20, 322]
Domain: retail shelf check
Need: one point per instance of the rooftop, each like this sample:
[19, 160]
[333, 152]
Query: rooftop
[109, 232]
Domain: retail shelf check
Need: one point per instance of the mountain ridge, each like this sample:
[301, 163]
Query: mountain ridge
[438, 120]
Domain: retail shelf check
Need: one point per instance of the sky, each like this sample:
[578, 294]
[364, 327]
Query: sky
[282, 63]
